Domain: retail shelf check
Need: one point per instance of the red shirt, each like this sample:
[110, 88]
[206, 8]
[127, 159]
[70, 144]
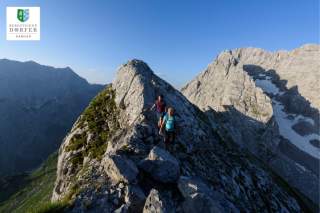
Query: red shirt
[161, 106]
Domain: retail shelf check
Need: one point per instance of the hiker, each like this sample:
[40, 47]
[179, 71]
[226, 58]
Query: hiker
[160, 106]
[169, 126]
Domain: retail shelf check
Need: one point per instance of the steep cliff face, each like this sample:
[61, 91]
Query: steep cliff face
[38, 105]
[114, 159]
[268, 103]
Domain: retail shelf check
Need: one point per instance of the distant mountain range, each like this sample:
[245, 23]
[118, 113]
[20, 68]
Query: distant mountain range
[38, 105]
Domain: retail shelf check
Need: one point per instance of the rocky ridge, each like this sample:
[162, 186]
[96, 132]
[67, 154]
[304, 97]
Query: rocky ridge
[113, 160]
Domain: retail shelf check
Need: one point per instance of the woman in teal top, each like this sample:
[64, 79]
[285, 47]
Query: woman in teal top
[168, 124]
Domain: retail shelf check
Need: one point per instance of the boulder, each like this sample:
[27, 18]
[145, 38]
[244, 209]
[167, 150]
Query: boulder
[135, 198]
[199, 202]
[189, 186]
[120, 169]
[200, 198]
[122, 209]
[161, 165]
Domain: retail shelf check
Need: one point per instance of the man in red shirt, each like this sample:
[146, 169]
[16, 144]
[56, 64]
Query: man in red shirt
[160, 106]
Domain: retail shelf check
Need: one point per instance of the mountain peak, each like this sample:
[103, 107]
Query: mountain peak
[270, 100]
[132, 87]
[136, 62]
[135, 65]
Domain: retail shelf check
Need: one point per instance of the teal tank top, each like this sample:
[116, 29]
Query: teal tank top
[169, 122]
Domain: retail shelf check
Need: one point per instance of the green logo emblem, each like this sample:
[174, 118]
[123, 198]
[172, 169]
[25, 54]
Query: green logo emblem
[23, 15]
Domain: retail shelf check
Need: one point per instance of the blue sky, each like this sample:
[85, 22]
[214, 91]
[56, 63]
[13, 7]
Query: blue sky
[177, 38]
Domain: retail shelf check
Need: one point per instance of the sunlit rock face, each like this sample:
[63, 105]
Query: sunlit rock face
[267, 102]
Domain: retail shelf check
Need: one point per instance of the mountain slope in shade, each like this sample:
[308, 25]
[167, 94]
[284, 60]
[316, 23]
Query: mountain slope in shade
[38, 105]
[29, 192]
[113, 159]
[268, 103]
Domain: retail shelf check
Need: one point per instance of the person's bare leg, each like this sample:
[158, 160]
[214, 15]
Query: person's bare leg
[159, 123]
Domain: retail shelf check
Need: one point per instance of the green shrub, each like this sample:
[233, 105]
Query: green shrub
[101, 118]
[76, 142]
[77, 159]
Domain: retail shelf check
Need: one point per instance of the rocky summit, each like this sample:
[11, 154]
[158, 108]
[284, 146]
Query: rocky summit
[114, 160]
[268, 103]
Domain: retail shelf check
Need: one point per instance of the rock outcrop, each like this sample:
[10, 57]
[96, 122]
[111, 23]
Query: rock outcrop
[161, 165]
[120, 169]
[269, 104]
[158, 203]
[199, 197]
[114, 159]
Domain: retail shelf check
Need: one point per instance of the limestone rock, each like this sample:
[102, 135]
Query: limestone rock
[268, 103]
[161, 165]
[123, 209]
[135, 198]
[119, 168]
[200, 198]
[157, 203]
[201, 203]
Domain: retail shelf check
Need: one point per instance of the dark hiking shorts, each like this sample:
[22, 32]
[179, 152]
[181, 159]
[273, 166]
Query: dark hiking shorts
[169, 137]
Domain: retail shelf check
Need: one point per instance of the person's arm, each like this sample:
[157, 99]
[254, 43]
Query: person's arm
[162, 124]
[153, 106]
[147, 108]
